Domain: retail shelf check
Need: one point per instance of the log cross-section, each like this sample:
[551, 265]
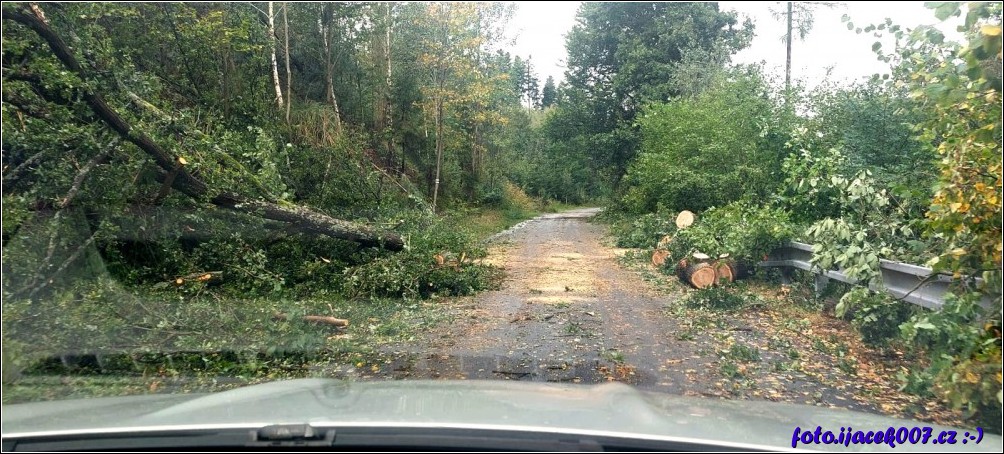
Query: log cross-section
[700, 275]
[724, 272]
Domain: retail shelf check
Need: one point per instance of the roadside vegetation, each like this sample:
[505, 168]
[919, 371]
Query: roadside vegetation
[253, 190]
[882, 169]
[271, 190]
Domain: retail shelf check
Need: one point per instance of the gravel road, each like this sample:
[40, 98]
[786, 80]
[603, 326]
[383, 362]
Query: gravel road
[570, 311]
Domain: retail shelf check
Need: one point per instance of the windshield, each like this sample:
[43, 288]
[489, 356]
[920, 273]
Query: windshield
[794, 203]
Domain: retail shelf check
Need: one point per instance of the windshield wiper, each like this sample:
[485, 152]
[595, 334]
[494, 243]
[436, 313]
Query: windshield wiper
[291, 435]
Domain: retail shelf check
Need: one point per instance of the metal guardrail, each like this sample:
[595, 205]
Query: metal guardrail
[911, 283]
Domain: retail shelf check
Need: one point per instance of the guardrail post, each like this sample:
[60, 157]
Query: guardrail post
[786, 273]
[820, 284]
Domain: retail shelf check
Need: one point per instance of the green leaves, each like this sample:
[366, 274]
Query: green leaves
[944, 10]
[720, 146]
[744, 230]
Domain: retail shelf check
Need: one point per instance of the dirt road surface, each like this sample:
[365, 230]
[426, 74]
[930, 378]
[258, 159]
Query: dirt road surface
[568, 312]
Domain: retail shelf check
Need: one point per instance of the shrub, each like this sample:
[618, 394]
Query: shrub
[963, 341]
[645, 231]
[709, 150]
[875, 315]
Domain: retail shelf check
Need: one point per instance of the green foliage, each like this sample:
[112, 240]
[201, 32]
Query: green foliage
[415, 271]
[966, 104]
[963, 342]
[954, 105]
[808, 176]
[719, 298]
[549, 94]
[101, 255]
[741, 229]
[741, 352]
[720, 146]
[622, 56]
[559, 142]
[876, 315]
[870, 226]
[870, 123]
[646, 230]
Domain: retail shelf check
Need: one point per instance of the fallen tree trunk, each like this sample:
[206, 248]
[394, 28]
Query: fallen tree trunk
[700, 275]
[324, 320]
[724, 272]
[183, 181]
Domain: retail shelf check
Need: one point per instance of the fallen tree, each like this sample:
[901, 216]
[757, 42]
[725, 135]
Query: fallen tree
[172, 168]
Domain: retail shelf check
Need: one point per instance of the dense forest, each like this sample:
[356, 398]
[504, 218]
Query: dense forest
[165, 162]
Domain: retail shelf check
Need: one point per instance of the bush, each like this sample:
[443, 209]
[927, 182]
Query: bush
[645, 231]
[875, 315]
[963, 341]
[709, 150]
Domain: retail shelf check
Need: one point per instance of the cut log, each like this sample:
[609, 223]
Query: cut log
[700, 275]
[204, 276]
[322, 319]
[659, 257]
[184, 181]
[681, 266]
[684, 219]
[701, 257]
[723, 272]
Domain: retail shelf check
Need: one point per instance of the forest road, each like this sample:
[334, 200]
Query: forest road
[566, 312]
[570, 311]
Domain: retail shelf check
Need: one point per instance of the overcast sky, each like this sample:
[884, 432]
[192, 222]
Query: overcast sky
[541, 27]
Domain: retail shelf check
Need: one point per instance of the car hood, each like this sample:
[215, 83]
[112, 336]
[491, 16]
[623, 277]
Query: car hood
[611, 409]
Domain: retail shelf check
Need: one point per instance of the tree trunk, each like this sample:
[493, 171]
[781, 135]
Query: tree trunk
[439, 150]
[304, 218]
[275, 63]
[388, 86]
[324, 28]
[787, 60]
[289, 74]
[699, 275]
[724, 272]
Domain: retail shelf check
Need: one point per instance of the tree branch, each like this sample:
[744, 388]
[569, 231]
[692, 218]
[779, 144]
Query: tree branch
[98, 159]
[184, 181]
[66, 263]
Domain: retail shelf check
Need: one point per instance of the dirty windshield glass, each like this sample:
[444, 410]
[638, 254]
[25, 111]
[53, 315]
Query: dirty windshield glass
[776, 202]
